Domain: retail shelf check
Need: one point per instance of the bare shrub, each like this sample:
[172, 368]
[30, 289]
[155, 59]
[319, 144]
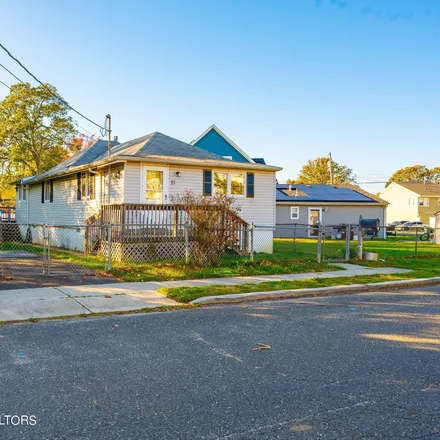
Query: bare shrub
[212, 225]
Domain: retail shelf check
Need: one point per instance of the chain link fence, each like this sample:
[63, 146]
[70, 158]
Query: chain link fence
[48, 250]
[52, 250]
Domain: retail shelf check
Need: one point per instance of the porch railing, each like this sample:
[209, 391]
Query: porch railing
[152, 221]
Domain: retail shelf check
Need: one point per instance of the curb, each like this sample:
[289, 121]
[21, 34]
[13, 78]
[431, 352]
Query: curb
[319, 291]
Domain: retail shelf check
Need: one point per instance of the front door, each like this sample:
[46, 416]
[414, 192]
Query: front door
[315, 217]
[154, 188]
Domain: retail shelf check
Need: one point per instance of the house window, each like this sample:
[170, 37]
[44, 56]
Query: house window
[24, 193]
[86, 186]
[47, 190]
[237, 184]
[294, 212]
[220, 182]
[423, 201]
[154, 186]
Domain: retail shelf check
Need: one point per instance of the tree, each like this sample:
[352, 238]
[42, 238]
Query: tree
[36, 132]
[415, 172]
[317, 171]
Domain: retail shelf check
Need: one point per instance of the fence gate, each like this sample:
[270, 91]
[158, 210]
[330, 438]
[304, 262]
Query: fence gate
[33, 255]
[336, 242]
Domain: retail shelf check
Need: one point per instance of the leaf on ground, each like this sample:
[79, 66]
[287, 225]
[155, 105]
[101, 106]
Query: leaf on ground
[301, 428]
[261, 347]
[107, 296]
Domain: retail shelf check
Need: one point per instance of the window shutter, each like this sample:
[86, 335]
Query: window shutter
[42, 191]
[78, 186]
[250, 185]
[207, 182]
[51, 190]
[92, 185]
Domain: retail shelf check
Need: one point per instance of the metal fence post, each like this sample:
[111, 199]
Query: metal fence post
[44, 250]
[294, 238]
[48, 253]
[251, 240]
[109, 247]
[415, 245]
[360, 241]
[186, 242]
[319, 247]
[347, 242]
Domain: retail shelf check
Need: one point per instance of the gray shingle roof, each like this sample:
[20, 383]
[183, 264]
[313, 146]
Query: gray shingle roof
[322, 193]
[153, 144]
[158, 144]
[83, 157]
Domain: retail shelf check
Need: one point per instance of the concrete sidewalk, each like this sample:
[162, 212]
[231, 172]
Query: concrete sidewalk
[49, 302]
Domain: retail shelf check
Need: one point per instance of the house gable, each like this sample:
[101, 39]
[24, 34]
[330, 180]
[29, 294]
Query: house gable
[214, 141]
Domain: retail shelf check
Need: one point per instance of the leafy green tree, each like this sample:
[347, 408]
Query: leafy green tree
[415, 172]
[36, 132]
[317, 171]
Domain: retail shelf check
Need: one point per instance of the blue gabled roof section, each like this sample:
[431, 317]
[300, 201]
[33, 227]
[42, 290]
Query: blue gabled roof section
[321, 193]
[215, 143]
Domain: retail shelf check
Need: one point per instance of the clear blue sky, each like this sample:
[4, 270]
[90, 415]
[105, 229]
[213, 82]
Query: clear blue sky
[286, 80]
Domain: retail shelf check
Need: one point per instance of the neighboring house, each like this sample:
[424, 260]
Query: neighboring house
[412, 201]
[150, 170]
[331, 205]
[215, 141]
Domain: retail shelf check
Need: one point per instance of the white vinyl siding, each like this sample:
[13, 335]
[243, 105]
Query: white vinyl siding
[259, 209]
[65, 208]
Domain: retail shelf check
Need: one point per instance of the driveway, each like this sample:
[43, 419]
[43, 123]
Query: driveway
[348, 367]
[24, 270]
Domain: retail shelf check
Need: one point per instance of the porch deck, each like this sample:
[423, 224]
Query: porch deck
[143, 225]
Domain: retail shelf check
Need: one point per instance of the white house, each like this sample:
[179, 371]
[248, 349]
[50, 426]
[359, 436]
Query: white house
[138, 174]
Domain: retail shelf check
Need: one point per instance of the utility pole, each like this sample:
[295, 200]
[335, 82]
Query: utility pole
[109, 132]
[109, 141]
[330, 167]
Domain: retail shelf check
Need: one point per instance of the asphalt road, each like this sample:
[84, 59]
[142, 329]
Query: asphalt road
[350, 367]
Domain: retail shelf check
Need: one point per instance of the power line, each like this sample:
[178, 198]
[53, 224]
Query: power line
[47, 88]
[7, 70]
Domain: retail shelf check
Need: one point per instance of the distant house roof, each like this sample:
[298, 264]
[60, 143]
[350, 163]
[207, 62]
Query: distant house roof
[421, 188]
[156, 147]
[259, 160]
[324, 193]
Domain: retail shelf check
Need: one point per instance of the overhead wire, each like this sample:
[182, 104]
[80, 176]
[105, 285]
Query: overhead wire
[48, 89]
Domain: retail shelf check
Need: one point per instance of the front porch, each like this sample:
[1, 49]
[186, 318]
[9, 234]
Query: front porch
[147, 232]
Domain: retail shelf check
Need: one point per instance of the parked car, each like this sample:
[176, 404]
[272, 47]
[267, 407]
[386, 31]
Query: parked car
[414, 225]
[397, 223]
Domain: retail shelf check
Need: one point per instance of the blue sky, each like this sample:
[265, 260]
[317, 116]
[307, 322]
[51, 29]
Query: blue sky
[286, 80]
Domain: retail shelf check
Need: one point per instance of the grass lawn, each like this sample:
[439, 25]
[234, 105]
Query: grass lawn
[187, 294]
[281, 261]
[395, 253]
[288, 257]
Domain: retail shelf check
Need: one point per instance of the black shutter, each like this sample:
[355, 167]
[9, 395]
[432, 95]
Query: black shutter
[92, 186]
[207, 182]
[250, 185]
[78, 186]
[42, 191]
[51, 190]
